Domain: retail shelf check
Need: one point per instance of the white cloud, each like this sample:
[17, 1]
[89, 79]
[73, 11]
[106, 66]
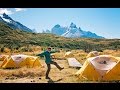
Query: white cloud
[4, 10]
[19, 9]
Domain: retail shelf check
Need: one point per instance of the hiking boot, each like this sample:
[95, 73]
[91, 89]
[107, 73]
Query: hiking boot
[62, 68]
[47, 77]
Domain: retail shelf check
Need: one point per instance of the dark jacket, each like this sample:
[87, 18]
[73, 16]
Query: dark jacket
[47, 56]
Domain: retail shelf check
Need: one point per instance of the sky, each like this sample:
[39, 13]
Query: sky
[102, 21]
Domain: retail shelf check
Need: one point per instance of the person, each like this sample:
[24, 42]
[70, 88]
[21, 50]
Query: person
[49, 61]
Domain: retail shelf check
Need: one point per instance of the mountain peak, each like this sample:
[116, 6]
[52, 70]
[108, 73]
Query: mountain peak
[57, 29]
[73, 32]
[13, 24]
[72, 25]
[6, 16]
[57, 26]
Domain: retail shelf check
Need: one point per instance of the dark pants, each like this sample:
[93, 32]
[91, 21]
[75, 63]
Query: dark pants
[49, 67]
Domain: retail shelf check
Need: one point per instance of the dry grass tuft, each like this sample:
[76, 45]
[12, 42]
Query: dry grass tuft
[22, 72]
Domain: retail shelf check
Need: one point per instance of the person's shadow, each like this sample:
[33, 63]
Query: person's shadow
[51, 81]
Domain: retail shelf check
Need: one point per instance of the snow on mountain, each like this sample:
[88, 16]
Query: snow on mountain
[7, 20]
[13, 24]
[73, 32]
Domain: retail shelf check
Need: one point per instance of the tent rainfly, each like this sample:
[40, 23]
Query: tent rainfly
[16, 61]
[2, 57]
[100, 68]
[69, 54]
[93, 54]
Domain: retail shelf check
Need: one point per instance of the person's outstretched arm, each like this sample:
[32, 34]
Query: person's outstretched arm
[41, 54]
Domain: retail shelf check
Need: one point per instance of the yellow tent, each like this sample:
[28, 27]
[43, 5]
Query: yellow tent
[69, 55]
[2, 57]
[100, 68]
[16, 61]
[93, 54]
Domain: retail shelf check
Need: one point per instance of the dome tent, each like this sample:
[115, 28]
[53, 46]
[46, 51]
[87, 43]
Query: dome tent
[93, 54]
[2, 57]
[69, 54]
[100, 68]
[16, 61]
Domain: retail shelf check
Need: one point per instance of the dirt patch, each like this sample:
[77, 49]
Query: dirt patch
[37, 75]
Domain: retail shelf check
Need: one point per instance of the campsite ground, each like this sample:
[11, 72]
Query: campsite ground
[37, 75]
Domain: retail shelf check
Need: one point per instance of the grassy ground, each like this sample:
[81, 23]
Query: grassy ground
[37, 75]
